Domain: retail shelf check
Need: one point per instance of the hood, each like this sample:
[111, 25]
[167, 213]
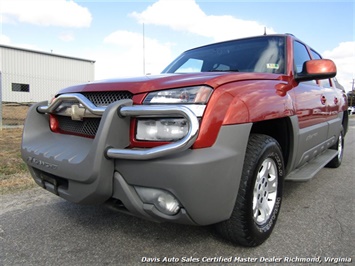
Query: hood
[167, 81]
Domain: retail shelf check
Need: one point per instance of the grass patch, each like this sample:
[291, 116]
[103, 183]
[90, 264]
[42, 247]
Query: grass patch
[14, 175]
[14, 113]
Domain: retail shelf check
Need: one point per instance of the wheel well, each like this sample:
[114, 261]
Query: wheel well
[279, 129]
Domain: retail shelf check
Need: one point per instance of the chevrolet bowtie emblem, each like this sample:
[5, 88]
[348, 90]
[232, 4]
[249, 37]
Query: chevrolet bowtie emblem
[77, 113]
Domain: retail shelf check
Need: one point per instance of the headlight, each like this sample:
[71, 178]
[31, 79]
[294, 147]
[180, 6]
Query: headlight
[172, 128]
[188, 95]
[161, 129]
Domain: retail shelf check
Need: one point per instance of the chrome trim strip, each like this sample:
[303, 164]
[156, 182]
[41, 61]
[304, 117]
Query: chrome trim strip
[152, 153]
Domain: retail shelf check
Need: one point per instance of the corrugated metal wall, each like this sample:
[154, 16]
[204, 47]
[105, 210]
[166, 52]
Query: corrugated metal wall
[44, 73]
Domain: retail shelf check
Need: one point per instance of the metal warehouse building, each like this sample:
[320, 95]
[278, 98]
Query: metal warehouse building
[32, 76]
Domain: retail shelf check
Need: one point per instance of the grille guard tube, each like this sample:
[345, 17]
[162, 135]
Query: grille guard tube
[157, 111]
[138, 111]
[72, 97]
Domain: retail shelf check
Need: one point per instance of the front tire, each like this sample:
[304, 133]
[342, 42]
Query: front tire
[260, 193]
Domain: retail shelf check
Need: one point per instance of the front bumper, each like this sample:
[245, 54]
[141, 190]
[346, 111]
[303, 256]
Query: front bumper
[95, 171]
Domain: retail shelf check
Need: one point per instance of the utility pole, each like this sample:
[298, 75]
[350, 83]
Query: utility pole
[143, 51]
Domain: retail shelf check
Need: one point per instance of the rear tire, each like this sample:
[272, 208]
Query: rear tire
[339, 145]
[260, 193]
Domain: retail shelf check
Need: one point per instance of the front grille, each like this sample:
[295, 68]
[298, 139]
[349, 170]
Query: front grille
[88, 127]
[107, 97]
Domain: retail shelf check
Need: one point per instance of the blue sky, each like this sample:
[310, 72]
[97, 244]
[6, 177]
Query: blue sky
[110, 32]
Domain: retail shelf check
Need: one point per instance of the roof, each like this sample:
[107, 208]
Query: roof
[45, 53]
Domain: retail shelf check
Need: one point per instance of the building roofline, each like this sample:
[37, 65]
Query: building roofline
[45, 53]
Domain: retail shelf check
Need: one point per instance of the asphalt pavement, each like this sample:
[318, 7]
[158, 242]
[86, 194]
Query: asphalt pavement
[316, 225]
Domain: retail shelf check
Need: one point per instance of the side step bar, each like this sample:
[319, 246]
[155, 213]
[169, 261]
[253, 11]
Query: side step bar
[309, 170]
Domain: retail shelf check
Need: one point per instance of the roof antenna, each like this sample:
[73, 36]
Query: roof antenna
[264, 30]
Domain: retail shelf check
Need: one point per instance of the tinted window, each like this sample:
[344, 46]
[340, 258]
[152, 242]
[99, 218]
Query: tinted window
[262, 54]
[324, 82]
[190, 66]
[300, 55]
[315, 55]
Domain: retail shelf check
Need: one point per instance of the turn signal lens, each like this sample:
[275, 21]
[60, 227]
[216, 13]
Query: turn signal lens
[53, 123]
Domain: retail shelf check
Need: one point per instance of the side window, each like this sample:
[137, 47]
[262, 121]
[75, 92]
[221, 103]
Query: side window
[325, 83]
[300, 55]
[315, 55]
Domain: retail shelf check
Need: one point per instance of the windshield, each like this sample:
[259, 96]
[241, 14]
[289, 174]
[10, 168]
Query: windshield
[261, 54]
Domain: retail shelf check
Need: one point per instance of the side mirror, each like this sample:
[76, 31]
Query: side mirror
[317, 69]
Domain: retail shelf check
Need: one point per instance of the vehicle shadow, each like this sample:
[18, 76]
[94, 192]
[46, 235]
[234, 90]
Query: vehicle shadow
[104, 219]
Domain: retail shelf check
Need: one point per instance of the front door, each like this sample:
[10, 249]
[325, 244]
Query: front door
[311, 109]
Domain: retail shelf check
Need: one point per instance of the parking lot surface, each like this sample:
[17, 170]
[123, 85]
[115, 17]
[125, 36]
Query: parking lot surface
[316, 225]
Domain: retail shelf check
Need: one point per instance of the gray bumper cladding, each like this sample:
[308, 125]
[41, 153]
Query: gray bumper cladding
[52, 156]
[63, 164]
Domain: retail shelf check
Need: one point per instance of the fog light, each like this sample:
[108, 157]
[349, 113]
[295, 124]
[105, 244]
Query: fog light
[163, 200]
